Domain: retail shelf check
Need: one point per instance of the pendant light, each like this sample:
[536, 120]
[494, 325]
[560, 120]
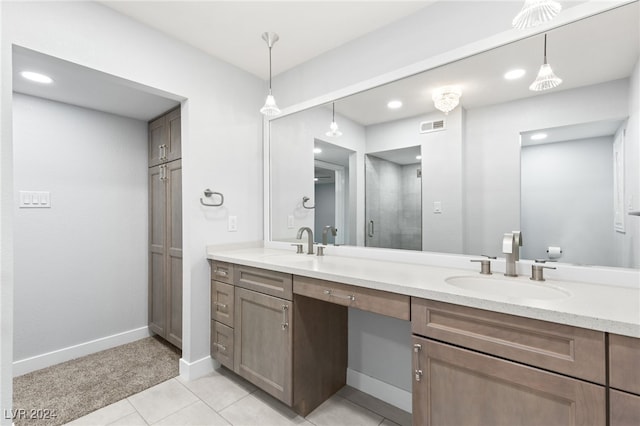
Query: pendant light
[270, 108]
[333, 127]
[546, 79]
[535, 12]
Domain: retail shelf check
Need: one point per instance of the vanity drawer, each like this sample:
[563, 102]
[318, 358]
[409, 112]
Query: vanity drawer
[380, 302]
[222, 271]
[222, 300]
[561, 348]
[273, 283]
[222, 344]
[624, 363]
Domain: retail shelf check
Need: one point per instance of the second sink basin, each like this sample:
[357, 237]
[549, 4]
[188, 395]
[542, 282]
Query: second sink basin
[513, 288]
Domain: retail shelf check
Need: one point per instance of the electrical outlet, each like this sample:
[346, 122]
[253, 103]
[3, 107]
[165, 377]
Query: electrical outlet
[232, 225]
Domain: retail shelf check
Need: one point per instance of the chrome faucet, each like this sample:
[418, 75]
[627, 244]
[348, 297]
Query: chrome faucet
[333, 231]
[511, 243]
[309, 236]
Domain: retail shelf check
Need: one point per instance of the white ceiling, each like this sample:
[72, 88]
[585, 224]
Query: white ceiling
[231, 30]
[605, 46]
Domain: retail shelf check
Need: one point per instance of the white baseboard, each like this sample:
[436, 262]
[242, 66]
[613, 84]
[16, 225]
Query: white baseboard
[197, 369]
[37, 362]
[388, 393]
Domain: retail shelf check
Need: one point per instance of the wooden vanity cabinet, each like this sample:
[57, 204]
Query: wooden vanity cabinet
[624, 380]
[477, 367]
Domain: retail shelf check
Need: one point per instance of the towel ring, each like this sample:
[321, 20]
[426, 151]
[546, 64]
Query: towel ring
[209, 193]
[304, 203]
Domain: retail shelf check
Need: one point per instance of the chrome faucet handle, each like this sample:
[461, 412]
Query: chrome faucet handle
[298, 248]
[485, 264]
[537, 272]
[320, 248]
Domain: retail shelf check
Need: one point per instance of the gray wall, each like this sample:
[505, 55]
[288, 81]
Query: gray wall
[81, 265]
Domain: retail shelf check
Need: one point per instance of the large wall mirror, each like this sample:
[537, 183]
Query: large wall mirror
[415, 178]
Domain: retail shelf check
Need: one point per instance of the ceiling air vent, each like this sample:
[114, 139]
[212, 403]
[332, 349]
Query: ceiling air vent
[431, 126]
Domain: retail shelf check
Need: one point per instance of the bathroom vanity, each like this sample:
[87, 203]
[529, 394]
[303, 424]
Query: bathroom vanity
[280, 320]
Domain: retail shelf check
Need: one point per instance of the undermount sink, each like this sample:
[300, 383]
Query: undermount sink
[513, 288]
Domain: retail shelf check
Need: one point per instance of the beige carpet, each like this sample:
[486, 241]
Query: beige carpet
[80, 386]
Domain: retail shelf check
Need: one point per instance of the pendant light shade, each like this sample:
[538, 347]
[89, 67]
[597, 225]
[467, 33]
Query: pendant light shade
[333, 127]
[535, 12]
[546, 79]
[270, 107]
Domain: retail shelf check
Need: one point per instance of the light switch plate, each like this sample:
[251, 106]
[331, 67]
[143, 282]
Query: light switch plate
[437, 207]
[35, 199]
[290, 222]
[232, 224]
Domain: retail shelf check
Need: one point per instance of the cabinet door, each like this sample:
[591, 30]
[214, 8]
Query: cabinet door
[263, 342]
[173, 139]
[624, 363]
[624, 409]
[222, 344]
[174, 252]
[157, 251]
[454, 386]
[157, 138]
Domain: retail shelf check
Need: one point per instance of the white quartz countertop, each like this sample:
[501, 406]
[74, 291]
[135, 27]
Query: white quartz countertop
[594, 306]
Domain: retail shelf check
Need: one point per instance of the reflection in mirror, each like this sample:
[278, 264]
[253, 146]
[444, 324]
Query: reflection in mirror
[471, 167]
[568, 193]
[331, 190]
[393, 200]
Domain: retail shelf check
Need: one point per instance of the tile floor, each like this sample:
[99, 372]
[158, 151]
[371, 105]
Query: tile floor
[222, 398]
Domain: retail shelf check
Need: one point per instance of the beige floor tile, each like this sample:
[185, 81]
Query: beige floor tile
[220, 389]
[162, 400]
[133, 419]
[261, 409]
[105, 415]
[198, 414]
[338, 411]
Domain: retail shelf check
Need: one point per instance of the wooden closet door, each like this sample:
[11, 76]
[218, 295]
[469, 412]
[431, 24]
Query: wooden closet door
[157, 251]
[174, 252]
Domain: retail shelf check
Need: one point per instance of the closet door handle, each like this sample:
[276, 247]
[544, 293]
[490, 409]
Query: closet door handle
[371, 229]
[416, 362]
[285, 317]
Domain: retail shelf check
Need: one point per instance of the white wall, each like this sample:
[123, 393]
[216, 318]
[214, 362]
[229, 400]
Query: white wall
[86, 256]
[567, 201]
[492, 153]
[222, 129]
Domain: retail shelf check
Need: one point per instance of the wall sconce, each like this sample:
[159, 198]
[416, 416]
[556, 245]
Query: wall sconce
[270, 108]
[446, 98]
[535, 12]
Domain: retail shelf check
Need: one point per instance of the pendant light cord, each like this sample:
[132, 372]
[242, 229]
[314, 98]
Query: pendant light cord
[333, 114]
[270, 65]
[545, 48]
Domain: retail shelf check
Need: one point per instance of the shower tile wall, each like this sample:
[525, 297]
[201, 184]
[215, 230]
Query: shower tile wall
[393, 203]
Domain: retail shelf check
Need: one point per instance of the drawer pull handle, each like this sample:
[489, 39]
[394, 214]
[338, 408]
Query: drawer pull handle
[223, 348]
[220, 305]
[285, 317]
[416, 353]
[221, 273]
[350, 297]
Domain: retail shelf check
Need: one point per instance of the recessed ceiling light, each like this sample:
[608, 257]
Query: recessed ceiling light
[317, 150]
[394, 104]
[37, 77]
[538, 136]
[514, 74]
